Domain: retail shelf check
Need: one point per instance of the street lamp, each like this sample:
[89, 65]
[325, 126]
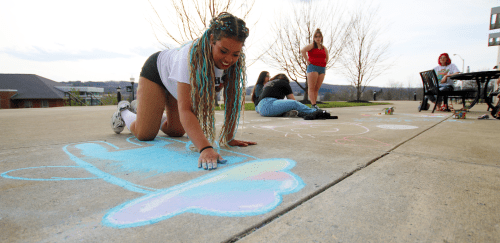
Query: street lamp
[118, 94]
[463, 70]
[132, 85]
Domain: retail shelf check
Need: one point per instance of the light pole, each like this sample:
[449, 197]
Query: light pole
[132, 83]
[118, 94]
[463, 70]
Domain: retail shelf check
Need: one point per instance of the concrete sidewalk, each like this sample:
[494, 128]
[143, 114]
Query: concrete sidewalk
[366, 177]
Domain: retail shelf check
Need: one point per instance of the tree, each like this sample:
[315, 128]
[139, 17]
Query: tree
[192, 18]
[74, 98]
[295, 30]
[364, 57]
[328, 96]
[109, 99]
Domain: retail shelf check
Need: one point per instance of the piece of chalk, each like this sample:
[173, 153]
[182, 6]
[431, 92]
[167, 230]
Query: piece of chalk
[221, 161]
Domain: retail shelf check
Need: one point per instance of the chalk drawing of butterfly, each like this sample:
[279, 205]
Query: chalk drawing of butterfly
[244, 186]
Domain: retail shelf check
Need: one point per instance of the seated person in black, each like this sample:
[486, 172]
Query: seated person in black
[272, 102]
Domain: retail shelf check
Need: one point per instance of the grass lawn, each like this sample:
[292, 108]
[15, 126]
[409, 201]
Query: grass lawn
[329, 104]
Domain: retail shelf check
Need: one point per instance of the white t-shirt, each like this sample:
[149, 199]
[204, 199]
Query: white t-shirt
[445, 70]
[173, 68]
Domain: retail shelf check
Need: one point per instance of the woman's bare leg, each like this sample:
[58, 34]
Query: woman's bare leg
[172, 127]
[151, 100]
[321, 78]
[312, 79]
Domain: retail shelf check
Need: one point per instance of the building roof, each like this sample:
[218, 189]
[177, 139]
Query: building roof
[31, 86]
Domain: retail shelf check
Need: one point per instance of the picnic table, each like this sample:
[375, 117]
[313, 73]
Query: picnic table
[481, 78]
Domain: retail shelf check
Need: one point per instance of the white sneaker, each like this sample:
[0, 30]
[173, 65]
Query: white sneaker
[292, 113]
[117, 123]
[133, 106]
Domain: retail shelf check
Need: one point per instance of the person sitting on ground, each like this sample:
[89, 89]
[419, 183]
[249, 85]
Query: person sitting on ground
[257, 89]
[184, 81]
[443, 71]
[272, 102]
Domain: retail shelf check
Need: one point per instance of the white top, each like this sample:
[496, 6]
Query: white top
[173, 68]
[444, 70]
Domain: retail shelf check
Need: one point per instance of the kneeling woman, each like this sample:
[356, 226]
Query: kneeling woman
[272, 103]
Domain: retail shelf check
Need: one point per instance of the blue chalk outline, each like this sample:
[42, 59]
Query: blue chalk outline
[101, 174]
[5, 174]
[106, 176]
[151, 192]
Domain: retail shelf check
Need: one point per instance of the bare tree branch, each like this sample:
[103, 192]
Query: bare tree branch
[192, 17]
[364, 57]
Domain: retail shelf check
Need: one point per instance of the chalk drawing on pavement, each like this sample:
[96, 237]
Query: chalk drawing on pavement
[361, 142]
[314, 129]
[397, 127]
[244, 186]
[242, 190]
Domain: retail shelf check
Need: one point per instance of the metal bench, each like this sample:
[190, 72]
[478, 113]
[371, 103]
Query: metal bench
[431, 87]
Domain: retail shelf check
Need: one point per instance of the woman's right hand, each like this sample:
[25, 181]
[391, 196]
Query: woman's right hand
[208, 159]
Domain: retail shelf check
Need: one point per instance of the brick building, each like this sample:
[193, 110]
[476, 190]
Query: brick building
[29, 91]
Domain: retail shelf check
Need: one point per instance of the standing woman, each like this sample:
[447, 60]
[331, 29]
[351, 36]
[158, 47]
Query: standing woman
[316, 65]
[184, 81]
[257, 89]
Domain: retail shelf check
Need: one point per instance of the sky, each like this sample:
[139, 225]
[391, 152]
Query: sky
[109, 40]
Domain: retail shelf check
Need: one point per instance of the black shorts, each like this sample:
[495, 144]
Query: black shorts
[150, 70]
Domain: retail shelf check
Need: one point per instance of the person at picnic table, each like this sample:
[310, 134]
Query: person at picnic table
[497, 83]
[443, 71]
[316, 56]
[272, 102]
[184, 81]
[257, 89]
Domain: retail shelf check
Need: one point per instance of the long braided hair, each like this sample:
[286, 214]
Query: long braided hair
[202, 77]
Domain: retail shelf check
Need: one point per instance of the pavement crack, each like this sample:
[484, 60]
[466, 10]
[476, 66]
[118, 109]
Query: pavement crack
[282, 212]
[344, 176]
[418, 134]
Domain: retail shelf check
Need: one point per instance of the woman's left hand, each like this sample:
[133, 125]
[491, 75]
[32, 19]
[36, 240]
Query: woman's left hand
[241, 143]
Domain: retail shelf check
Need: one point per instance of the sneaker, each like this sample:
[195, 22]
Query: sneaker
[484, 117]
[117, 123]
[315, 106]
[133, 106]
[292, 113]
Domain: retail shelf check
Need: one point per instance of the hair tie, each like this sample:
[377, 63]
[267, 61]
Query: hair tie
[205, 148]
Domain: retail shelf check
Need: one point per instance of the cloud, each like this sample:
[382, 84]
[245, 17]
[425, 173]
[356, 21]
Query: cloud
[42, 55]
[146, 51]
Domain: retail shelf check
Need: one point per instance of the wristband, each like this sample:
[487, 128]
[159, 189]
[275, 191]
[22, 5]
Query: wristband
[206, 148]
